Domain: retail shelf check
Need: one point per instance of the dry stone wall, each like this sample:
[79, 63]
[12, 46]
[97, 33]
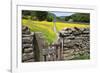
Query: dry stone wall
[75, 42]
[34, 47]
[72, 43]
[27, 45]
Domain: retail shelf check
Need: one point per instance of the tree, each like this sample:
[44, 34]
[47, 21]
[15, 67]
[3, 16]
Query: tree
[50, 19]
[41, 15]
[33, 15]
[67, 18]
[81, 17]
[26, 14]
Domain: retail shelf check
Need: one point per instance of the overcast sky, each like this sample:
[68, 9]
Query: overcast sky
[62, 13]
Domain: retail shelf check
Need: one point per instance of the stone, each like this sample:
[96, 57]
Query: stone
[27, 45]
[30, 60]
[27, 56]
[28, 50]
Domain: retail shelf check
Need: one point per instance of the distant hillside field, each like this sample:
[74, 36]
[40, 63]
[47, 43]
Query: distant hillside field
[47, 27]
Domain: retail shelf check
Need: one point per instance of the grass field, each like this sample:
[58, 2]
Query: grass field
[47, 27]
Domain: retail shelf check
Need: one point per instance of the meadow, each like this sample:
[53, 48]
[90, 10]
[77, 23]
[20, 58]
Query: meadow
[47, 27]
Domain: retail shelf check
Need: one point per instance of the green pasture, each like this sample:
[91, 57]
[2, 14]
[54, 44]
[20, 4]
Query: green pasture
[47, 27]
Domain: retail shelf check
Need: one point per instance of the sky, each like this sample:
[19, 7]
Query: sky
[62, 13]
